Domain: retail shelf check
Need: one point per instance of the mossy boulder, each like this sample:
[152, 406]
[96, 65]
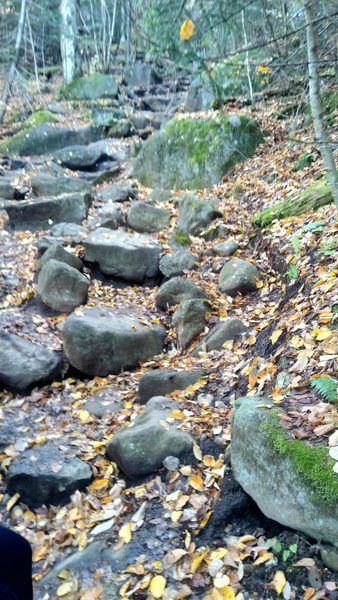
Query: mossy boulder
[310, 199]
[291, 481]
[39, 117]
[93, 87]
[303, 161]
[190, 153]
[195, 215]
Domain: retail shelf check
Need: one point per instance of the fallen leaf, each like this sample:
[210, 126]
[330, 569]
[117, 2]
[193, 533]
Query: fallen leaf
[125, 533]
[276, 335]
[278, 582]
[304, 562]
[157, 586]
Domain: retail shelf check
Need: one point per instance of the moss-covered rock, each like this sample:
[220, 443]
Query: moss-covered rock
[303, 161]
[312, 198]
[39, 117]
[190, 153]
[292, 482]
[93, 87]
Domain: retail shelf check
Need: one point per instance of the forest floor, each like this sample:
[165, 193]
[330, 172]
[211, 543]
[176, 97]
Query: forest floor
[169, 525]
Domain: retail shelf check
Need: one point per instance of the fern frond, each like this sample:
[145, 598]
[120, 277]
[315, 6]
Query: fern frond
[327, 387]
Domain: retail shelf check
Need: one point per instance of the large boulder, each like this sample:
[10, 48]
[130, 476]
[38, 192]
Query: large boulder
[141, 449]
[292, 482]
[238, 276]
[91, 87]
[58, 253]
[40, 213]
[177, 290]
[116, 193]
[49, 185]
[81, 158]
[146, 218]
[189, 321]
[43, 475]
[141, 75]
[222, 332]
[105, 116]
[190, 153]
[47, 138]
[195, 215]
[131, 257]
[99, 341]
[24, 364]
[172, 265]
[61, 287]
[161, 382]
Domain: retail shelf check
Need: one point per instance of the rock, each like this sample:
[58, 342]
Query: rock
[238, 276]
[195, 215]
[146, 218]
[73, 232]
[106, 402]
[61, 287]
[107, 175]
[190, 153]
[121, 128]
[81, 158]
[189, 321]
[91, 87]
[200, 95]
[8, 189]
[116, 193]
[171, 463]
[48, 185]
[99, 341]
[43, 475]
[111, 216]
[291, 482]
[141, 449]
[225, 248]
[329, 556]
[164, 381]
[157, 103]
[47, 138]
[159, 195]
[40, 213]
[219, 334]
[57, 252]
[24, 363]
[141, 75]
[105, 116]
[131, 257]
[177, 290]
[172, 265]
[215, 231]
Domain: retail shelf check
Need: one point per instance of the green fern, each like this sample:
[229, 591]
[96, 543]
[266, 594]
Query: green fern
[327, 387]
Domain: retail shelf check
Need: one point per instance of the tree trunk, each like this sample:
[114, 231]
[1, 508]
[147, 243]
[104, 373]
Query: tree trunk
[315, 101]
[68, 36]
[11, 72]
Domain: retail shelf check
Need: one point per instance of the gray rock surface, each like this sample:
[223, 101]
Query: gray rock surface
[177, 290]
[57, 252]
[24, 363]
[40, 213]
[91, 87]
[189, 321]
[141, 75]
[291, 482]
[60, 286]
[121, 128]
[72, 231]
[238, 275]
[219, 334]
[175, 264]
[131, 257]
[195, 215]
[141, 449]
[146, 218]
[110, 215]
[225, 248]
[99, 341]
[116, 193]
[43, 475]
[80, 158]
[164, 381]
[49, 185]
[106, 402]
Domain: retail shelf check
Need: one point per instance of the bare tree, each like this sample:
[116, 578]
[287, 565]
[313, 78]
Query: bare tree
[12, 69]
[315, 101]
[68, 39]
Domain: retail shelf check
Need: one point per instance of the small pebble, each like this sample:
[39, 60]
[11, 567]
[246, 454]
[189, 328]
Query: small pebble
[171, 463]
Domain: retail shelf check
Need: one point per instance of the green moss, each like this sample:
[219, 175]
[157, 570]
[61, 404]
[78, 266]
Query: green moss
[92, 87]
[313, 464]
[182, 238]
[309, 200]
[303, 161]
[39, 117]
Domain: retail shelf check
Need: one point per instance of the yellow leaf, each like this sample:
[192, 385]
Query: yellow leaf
[39, 552]
[264, 69]
[224, 593]
[279, 581]
[196, 482]
[197, 452]
[276, 335]
[99, 484]
[125, 533]
[263, 556]
[65, 588]
[12, 501]
[157, 586]
[187, 29]
[322, 334]
[198, 558]
[84, 415]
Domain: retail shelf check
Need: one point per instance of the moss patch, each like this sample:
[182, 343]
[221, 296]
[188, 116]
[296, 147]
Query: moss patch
[93, 87]
[182, 238]
[311, 199]
[41, 116]
[313, 464]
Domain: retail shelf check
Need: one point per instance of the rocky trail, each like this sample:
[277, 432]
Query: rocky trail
[132, 318]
